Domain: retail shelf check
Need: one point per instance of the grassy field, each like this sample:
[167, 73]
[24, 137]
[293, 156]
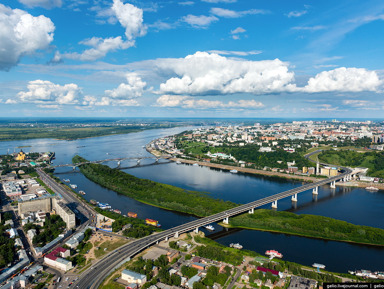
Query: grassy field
[309, 226]
[108, 246]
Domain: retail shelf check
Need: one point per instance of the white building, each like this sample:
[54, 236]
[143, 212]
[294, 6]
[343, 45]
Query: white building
[133, 277]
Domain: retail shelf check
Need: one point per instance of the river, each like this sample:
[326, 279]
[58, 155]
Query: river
[354, 205]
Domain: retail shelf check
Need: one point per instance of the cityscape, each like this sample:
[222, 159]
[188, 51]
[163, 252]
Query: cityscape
[59, 231]
[192, 144]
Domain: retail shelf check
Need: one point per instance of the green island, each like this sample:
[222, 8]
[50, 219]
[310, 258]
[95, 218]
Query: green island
[372, 160]
[156, 194]
[201, 204]
[308, 226]
[70, 132]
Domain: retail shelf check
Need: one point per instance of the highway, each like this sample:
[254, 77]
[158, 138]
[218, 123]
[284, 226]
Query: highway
[69, 197]
[93, 277]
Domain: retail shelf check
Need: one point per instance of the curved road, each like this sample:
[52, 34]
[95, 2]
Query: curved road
[93, 277]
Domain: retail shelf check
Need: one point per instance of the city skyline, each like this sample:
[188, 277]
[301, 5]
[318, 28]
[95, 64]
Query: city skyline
[202, 58]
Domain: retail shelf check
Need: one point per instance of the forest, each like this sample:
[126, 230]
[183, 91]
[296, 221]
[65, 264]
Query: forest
[161, 195]
[309, 226]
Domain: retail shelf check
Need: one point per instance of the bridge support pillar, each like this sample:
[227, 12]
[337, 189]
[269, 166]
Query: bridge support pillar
[251, 211]
[333, 184]
[315, 191]
[157, 160]
[226, 221]
[74, 168]
[166, 239]
[176, 235]
[274, 204]
[294, 198]
[118, 164]
[196, 230]
[157, 243]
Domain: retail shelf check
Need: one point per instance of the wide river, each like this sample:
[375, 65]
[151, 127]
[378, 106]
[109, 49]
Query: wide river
[353, 205]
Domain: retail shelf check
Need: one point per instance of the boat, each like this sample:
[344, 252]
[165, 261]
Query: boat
[73, 186]
[371, 189]
[132, 215]
[151, 222]
[273, 254]
[210, 227]
[233, 171]
[178, 162]
[116, 211]
[236, 246]
[81, 192]
[93, 202]
[196, 164]
[66, 180]
[104, 206]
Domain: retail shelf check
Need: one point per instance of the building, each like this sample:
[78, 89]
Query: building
[12, 189]
[133, 277]
[56, 259]
[194, 279]
[48, 205]
[76, 239]
[198, 266]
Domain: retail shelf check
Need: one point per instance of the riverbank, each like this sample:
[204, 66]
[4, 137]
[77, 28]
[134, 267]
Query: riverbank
[307, 179]
[311, 226]
[164, 196]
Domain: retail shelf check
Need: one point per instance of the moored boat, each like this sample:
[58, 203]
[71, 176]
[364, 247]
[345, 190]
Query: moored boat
[273, 254]
[81, 192]
[210, 227]
[73, 186]
[236, 246]
[233, 171]
[371, 189]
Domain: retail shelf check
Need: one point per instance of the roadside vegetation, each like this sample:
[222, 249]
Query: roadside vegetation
[153, 193]
[308, 226]
[372, 160]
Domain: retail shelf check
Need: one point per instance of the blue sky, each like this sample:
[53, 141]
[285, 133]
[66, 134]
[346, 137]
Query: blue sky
[197, 58]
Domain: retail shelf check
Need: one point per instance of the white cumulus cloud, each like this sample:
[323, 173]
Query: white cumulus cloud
[125, 93]
[22, 34]
[210, 73]
[44, 92]
[344, 79]
[48, 4]
[130, 17]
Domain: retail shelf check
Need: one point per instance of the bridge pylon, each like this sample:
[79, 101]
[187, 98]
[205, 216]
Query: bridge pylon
[333, 184]
[226, 221]
[274, 205]
[294, 198]
[196, 230]
[251, 211]
[315, 191]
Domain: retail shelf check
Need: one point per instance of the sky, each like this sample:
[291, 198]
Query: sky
[192, 58]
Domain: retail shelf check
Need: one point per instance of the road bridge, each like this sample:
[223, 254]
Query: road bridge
[118, 160]
[93, 277]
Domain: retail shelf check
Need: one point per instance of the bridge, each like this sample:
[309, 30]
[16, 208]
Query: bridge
[93, 277]
[118, 160]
